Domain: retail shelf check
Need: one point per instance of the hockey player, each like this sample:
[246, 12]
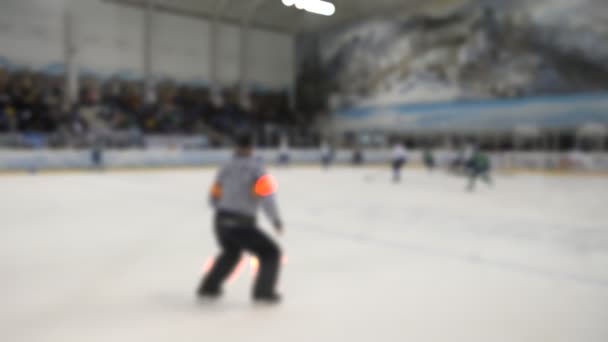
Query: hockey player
[479, 167]
[399, 159]
[284, 157]
[241, 187]
[358, 157]
[326, 155]
[97, 154]
[467, 156]
[429, 159]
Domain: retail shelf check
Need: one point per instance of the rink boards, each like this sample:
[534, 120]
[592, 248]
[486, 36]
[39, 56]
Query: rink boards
[15, 160]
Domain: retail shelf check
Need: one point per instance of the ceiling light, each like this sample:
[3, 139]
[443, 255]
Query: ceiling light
[313, 6]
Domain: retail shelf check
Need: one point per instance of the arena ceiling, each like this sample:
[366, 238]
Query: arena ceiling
[273, 15]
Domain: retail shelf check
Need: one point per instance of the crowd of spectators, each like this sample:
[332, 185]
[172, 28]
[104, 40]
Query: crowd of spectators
[29, 102]
[32, 102]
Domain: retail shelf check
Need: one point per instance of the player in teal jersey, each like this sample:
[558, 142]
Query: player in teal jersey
[479, 167]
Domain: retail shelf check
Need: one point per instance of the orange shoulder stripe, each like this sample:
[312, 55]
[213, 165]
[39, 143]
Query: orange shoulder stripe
[265, 186]
[216, 191]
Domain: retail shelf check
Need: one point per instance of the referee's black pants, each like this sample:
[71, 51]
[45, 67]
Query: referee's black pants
[235, 233]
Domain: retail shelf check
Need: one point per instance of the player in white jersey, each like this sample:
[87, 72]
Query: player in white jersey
[284, 157]
[241, 187]
[326, 155]
[399, 156]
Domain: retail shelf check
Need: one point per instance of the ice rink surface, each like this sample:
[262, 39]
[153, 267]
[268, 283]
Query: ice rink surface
[117, 256]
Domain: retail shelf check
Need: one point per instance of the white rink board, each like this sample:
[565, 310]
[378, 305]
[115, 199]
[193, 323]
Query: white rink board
[116, 257]
[137, 158]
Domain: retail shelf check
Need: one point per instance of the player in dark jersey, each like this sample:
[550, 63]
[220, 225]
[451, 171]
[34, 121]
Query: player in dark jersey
[478, 167]
[429, 159]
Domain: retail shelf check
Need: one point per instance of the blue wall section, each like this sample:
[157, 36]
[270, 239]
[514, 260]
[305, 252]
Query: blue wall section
[547, 112]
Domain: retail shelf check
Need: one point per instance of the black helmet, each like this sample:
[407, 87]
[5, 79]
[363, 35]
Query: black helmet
[244, 140]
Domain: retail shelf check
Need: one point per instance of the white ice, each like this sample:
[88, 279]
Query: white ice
[116, 257]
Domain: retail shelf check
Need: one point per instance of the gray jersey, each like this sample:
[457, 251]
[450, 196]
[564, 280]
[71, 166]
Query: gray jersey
[237, 181]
